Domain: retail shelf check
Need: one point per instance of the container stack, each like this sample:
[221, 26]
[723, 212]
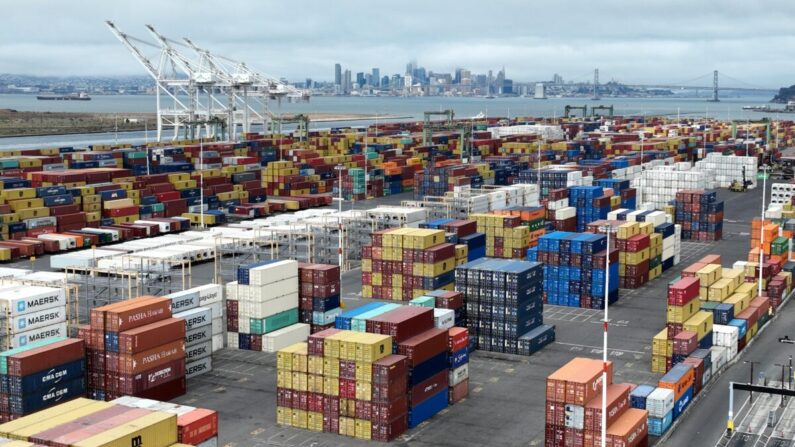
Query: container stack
[634, 242]
[531, 217]
[33, 313]
[436, 181]
[403, 263]
[135, 348]
[573, 408]
[700, 214]
[591, 202]
[506, 237]
[319, 295]
[201, 308]
[351, 383]
[40, 375]
[262, 307]
[466, 233]
[730, 168]
[574, 269]
[683, 303]
[127, 421]
[660, 184]
[504, 305]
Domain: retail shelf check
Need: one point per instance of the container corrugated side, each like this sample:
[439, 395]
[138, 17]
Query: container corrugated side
[154, 430]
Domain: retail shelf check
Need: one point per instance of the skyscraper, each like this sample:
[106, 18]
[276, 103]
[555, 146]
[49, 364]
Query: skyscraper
[346, 81]
[360, 78]
[337, 74]
[376, 77]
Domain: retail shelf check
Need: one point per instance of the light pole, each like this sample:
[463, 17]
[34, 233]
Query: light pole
[762, 229]
[201, 178]
[539, 167]
[604, 339]
[783, 399]
[751, 379]
[339, 168]
[642, 180]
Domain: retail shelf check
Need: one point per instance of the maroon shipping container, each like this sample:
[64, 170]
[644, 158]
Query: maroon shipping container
[390, 369]
[450, 300]
[45, 357]
[139, 312]
[428, 387]
[554, 412]
[683, 291]
[385, 393]
[325, 274]
[423, 346]
[166, 391]
[385, 432]
[458, 392]
[151, 335]
[385, 412]
[144, 361]
[685, 342]
[458, 338]
[133, 384]
[402, 323]
[315, 341]
[617, 402]
[364, 410]
[438, 253]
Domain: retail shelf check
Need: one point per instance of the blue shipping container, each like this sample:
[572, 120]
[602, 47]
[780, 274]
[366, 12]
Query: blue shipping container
[682, 402]
[50, 377]
[658, 427]
[637, 398]
[45, 397]
[427, 408]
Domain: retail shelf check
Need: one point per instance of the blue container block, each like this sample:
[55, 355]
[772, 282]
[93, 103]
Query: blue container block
[706, 342]
[723, 313]
[47, 191]
[64, 199]
[658, 427]
[428, 408]
[343, 321]
[47, 378]
[742, 325]
[459, 358]
[535, 340]
[637, 398]
[44, 397]
[427, 368]
[681, 404]
[326, 304]
[113, 195]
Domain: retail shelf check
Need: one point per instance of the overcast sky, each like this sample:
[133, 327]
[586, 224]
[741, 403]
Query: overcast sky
[630, 41]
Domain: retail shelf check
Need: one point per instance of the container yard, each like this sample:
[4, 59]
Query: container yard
[442, 303]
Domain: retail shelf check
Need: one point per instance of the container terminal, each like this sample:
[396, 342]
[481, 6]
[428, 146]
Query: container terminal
[440, 282]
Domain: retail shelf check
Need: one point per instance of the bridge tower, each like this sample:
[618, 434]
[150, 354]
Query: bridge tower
[714, 87]
[596, 85]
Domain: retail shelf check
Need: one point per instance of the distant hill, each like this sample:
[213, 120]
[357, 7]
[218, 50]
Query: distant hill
[784, 95]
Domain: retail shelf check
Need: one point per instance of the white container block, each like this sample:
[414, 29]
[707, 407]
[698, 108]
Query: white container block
[660, 402]
[18, 300]
[43, 333]
[199, 367]
[443, 318]
[285, 337]
[218, 342]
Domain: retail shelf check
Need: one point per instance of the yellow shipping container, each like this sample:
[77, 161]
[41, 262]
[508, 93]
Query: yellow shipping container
[17, 205]
[740, 301]
[153, 430]
[720, 290]
[347, 426]
[680, 314]
[751, 288]
[283, 416]
[314, 364]
[314, 383]
[5, 254]
[31, 213]
[364, 390]
[298, 418]
[364, 371]
[363, 429]
[373, 347]
[658, 364]
[331, 385]
[439, 268]
[284, 378]
[18, 193]
[314, 421]
[709, 274]
[700, 323]
[627, 230]
[660, 345]
[27, 426]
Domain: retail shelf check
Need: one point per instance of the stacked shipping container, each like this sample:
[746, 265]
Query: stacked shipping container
[504, 305]
[33, 313]
[202, 310]
[700, 214]
[319, 294]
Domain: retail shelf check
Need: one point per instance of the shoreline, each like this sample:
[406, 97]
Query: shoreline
[56, 128]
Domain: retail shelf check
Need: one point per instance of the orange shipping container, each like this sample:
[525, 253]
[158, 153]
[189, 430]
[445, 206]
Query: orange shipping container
[630, 430]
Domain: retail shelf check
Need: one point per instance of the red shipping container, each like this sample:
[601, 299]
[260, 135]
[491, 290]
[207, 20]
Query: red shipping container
[683, 291]
[450, 300]
[197, 426]
[554, 412]
[617, 403]
[385, 412]
[121, 212]
[459, 392]
[166, 391]
[133, 384]
[137, 312]
[402, 323]
[423, 346]
[151, 335]
[630, 430]
[458, 339]
[143, 361]
[45, 357]
[390, 369]
[685, 342]
[386, 432]
[428, 387]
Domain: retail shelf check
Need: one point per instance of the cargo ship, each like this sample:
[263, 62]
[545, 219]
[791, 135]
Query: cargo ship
[82, 96]
[789, 108]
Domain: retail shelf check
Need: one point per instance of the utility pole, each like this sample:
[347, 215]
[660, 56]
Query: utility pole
[596, 85]
[762, 229]
[783, 399]
[751, 379]
[339, 169]
[604, 339]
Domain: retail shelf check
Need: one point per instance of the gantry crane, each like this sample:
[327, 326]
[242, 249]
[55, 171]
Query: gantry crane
[205, 90]
[449, 124]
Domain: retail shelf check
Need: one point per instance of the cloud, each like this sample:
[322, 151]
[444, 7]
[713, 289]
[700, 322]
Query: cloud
[636, 42]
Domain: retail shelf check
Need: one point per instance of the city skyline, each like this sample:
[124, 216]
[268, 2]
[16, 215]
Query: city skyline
[661, 42]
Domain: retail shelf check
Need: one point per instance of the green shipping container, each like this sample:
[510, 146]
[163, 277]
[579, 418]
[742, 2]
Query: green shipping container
[272, 323]
[423, 301]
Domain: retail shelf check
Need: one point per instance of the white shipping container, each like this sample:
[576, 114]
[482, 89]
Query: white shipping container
[285, 337]
[34, 320]
[194, 318]
[277, 271]
[199, 367]
[443, 318]
[660, 402]
[719, 355]
[459, 374]
[23, 338]
[574, 416]
[184, 300]
[198, 335]
[216, 309]
[209, 294]
[218, 326]
[232, 340]
[262, 309]
[199, 351]
[218, 342]
[17, 300]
